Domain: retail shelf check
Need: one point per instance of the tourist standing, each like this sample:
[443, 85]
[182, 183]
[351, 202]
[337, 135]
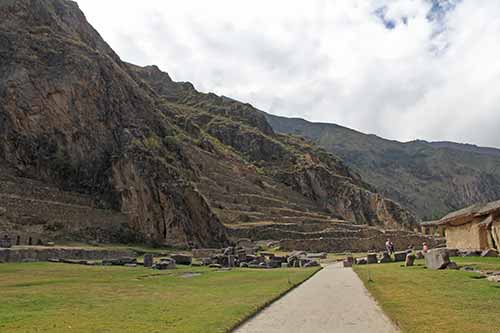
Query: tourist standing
[425, 247]
[389, 246]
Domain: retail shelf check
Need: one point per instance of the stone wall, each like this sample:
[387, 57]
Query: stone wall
[279, 231]
[30, 216]
[19, 254]
[401, 240]
[25, 187]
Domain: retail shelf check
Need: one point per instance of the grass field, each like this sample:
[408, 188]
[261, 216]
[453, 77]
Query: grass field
[44, 297]
[422, 300]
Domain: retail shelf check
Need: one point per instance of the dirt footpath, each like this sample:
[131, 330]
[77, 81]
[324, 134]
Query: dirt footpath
[334, 300]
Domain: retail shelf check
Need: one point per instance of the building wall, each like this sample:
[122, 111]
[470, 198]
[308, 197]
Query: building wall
[467, 237]
[495, 232]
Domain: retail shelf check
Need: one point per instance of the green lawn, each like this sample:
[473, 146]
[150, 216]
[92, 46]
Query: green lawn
[44, 297]
[423, 300]
[485, 264]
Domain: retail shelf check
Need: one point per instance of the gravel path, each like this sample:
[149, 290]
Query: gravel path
[333, 300]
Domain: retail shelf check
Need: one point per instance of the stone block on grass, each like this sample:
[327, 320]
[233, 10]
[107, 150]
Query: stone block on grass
[361, 261]
[371, 258]
[385, 258]
[347, 263]
[182, 259]
[148, 260]
[410, 259]
[165, 263]
[437, 259]
[400, 256]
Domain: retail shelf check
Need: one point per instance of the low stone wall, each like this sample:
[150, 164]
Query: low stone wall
[20, 254]
[376, 243]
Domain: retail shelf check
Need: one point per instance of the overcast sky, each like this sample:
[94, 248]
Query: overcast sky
[402, 69]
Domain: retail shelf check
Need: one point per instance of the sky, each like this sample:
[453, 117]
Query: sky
[401, 69]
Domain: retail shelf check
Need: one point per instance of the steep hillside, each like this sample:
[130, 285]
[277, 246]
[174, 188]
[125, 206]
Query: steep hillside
[430, 179]
[251, 174]
[73, 115]
[185, 168]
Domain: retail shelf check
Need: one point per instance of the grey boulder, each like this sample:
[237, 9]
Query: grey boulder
[437, 259]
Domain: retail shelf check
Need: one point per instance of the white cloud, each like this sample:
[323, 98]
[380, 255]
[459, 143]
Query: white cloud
[434, 75]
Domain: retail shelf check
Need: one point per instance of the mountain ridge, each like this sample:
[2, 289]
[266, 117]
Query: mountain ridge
[429, 178]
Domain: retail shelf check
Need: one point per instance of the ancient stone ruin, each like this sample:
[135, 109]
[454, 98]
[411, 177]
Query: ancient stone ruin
[5, 242]
[474, 228]
[249, 257]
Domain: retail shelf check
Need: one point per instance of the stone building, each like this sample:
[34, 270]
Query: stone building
[473, 228]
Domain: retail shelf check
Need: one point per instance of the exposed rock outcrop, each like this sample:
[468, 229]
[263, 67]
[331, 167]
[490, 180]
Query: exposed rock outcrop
[73, 114]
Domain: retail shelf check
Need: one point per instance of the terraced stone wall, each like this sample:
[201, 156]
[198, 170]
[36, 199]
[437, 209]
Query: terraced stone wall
[401, 240]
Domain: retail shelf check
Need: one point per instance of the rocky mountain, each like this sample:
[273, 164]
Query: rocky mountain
[83, 131]
[429, 178]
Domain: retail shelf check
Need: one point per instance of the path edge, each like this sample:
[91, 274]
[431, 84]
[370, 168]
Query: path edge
[391, 320]
[268, 303]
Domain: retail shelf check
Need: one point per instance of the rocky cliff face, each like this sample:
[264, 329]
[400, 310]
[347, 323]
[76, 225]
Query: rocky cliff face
[317, 176]
[429, 178]
[177, 162]
[73, 114]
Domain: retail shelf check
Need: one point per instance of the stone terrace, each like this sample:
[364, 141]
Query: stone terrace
[30, 208]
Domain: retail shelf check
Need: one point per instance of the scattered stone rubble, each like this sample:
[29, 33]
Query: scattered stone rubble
[493, 276]
[247, 256]
[434, 259]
